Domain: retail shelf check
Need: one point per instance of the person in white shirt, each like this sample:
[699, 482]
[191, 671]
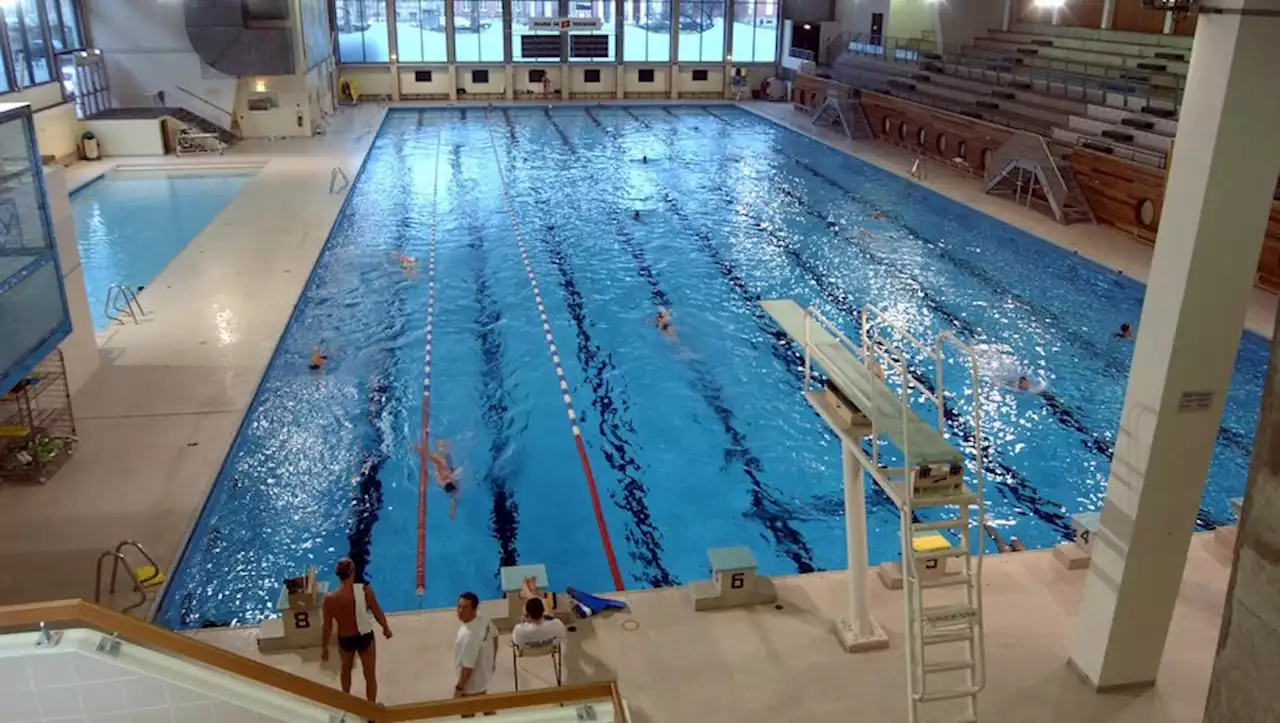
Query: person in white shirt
[537, 628]
[475, 649]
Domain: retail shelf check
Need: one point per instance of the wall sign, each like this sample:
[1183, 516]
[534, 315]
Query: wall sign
[565, 25]
[1195, 401]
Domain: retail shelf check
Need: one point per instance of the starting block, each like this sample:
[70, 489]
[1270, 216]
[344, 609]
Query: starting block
[890, 573]
[734, 581]
[1226, 536]
[301, 617]
[507, 612]
[1075, 555]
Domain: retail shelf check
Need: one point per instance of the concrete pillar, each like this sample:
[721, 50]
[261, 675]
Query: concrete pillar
[1216, 204]
[1167, 28]
[1006, 18]
[80, 350]
[451, 51]
[1243, 688]
[393, 42]
[1108, 14]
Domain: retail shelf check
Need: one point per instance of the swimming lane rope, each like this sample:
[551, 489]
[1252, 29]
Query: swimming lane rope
[555, 359]
[423, 449]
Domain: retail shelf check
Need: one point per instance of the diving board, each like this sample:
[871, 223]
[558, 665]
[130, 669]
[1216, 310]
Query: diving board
[944, 609]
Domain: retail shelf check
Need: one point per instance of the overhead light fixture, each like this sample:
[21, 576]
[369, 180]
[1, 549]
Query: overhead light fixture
[807, 26]
[260, 86]
[1054, 4]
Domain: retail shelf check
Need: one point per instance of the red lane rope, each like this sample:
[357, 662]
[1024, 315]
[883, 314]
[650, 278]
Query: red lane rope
[423, 449]
[555, 359]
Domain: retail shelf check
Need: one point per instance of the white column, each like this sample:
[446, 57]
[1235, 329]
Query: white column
[1006, 19]
[857, 631]
[1217, 200]
[451, 51]
[1167, 29]
[1108, 14]
[393, 43]
[80, 349]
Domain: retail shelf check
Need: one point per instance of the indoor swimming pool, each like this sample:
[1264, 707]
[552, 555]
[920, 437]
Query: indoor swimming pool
[131, 224]
[695, 439]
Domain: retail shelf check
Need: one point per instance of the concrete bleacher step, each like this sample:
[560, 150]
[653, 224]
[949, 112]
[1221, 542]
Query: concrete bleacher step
[1099, 144]
[1046, 42]
[988, 104]
[1115, 135]
[1108, 129]
[1135, 120]
[933, 67]
[1167, 55]
[1139, 123]
[1091, 57]
[1172, 42]
[922, 77]
[904, 85]
[1103, 45]
[1003, 94]
[1158, 67]
[1159, 111]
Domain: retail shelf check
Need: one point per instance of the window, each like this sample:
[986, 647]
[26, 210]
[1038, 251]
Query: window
[591, 75]
[480, 76]
[477, 31]
[70, 21]
[701, 30]
[755, 31]
[362, 31]
[422, 76]
[646, 31]
[594, 45]
[420, 30]
[645, 75]
[529, 45]
[701, 75]
[29, 53]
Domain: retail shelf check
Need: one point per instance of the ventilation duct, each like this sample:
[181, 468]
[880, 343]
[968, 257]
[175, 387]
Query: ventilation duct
[242, 37]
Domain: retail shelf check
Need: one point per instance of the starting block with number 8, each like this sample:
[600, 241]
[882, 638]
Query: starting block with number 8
[301, 618]
[734, 581]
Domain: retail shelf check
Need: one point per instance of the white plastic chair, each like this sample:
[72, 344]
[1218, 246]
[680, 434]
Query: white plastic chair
[550, 648]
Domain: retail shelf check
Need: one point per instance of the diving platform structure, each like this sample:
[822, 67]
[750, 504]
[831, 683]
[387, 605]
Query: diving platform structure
[866, 399]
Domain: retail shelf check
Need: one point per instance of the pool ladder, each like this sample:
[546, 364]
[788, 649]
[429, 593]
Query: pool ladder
[154, 576]
[122, 301]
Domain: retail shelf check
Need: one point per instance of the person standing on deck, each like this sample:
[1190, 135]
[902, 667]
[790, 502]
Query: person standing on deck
[475, 649]
[350, 608]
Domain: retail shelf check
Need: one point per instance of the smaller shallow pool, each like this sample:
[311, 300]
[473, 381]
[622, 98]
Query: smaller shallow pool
[131, 224]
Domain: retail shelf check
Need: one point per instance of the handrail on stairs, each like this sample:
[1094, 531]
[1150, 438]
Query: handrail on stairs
[334, 175]
[73, 613]
[126, 304]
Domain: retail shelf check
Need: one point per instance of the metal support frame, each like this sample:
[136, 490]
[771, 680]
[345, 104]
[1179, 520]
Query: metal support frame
[118, 559]
[334, 175]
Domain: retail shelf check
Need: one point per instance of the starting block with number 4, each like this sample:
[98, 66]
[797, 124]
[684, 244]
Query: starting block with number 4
[734, 581]
[1076, 555]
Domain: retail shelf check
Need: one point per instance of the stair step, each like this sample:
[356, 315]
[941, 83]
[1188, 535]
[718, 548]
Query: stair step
[1159, 112]
[950, 615]
[933, 67]
[1020, 84]
[1097, 147]
[972, 114]
[1136, 77]
[1115, 135]
[1003, 94]
[931, 56]
[1028, 51]
[948, 666]
[1165, 55]
[1140, 123]
[905, 85]
[1042, 42]
[947, 636]
[932, 525]
[1152, 66]
[922, 77]
[989, 104]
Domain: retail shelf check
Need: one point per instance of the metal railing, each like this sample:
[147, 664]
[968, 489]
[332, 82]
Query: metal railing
[118, 560]
[60, 614]
[1049, 76]
[121, 301]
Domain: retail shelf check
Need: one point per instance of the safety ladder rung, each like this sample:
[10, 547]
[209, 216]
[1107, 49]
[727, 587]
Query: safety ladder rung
[945, 553]
[950, 615]
[949, 636]
[948, 666]
[951, 580]
[934, 525]
[947, 695]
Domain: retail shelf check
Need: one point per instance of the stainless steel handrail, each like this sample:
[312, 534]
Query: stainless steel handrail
[117, 560]
[334, 175]
[121, 294]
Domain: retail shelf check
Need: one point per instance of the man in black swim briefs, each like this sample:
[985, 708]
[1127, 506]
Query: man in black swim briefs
[351, 606]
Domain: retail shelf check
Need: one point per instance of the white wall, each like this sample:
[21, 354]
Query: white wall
[964, 20]
[57, 129]
[146, 47]
[290, 118]
[128, 137]
[804, 11]
[369, 81]
[855, 15]
[912, 18]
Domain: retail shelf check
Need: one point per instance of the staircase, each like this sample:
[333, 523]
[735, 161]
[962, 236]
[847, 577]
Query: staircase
[847, 112]
[202, 124]
[1024, 161]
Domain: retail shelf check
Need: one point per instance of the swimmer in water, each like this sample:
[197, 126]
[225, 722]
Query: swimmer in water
[407, 263]
[1126, 332]
[644, 159]
[1024, 384]
[635, 215]
[318, 359]
[663, 320]
[877, 216]
[447, 475]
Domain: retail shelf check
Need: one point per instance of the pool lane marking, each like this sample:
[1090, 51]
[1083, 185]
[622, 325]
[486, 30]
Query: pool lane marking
[560, 377]
[420, 574]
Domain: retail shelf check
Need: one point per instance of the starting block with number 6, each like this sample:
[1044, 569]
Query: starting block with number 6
[734, 581]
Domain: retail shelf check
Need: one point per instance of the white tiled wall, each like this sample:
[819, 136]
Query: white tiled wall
[72, 687]
[73, 683]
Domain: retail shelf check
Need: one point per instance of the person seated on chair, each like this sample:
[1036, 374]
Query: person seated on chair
[537, 628]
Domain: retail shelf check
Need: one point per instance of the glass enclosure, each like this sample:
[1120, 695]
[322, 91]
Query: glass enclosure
[33, 310]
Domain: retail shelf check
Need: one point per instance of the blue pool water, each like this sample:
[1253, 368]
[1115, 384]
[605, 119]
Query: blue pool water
[130, 225]
[696, 443]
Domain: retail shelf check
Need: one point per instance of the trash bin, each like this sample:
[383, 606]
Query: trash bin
[89, 146]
